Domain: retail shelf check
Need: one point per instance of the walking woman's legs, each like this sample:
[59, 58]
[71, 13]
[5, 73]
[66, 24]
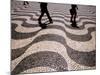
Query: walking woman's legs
[75, 17]
[71, 19]
[75, 14]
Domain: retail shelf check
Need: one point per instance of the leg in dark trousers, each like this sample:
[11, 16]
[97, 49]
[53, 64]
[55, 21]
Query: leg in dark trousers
[71, 19]
[49, 17]
[73, 13]
[75, 17]
[25, 3]
[39, 20]
[44, 10]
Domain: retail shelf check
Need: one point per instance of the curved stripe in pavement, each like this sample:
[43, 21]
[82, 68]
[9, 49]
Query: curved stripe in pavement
[86, 37]
[17, 35]
[85, 58]
[38, 69]
[37, 13]
[40, 59]
[57, 20]
[15, 52]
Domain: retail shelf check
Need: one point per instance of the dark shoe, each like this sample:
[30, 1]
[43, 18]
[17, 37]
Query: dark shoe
[40, 23]
[51, 21]
[43, 27]
[75, 26]
[71, 21]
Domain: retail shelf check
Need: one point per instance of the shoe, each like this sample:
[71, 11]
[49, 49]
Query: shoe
[71, 21]
[51, 21]
[39, 22]
[74, 26]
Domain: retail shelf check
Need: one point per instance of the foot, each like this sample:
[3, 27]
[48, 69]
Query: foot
[75, 26]
[71, 21]
[39, 23]
[51, 21]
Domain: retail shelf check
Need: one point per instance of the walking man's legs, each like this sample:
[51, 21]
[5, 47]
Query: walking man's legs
[48, 15]
[27, 2]
[39, 20]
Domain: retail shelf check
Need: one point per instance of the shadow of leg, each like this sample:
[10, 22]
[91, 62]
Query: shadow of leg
[43, 26]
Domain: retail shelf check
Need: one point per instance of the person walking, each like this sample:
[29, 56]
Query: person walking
[73, 12]
[44, 10]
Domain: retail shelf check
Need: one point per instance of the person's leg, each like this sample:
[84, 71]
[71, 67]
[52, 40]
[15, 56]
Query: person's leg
[39, 20]
[71, 13]
[27, 2]
[48, 15]
[75, 17]
[74, 22]
[71, 19]
[24, 3]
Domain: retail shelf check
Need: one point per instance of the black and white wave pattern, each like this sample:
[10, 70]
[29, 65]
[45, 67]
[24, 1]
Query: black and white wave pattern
[60, 47]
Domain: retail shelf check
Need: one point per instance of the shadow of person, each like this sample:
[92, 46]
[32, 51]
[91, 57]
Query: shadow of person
[44, 25]
[73, 12]
[44, 10]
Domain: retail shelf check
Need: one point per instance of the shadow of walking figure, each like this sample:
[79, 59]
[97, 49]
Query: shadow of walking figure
[73, 12]
[43, 7]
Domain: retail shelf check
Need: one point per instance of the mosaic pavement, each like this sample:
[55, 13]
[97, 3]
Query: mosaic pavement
[60, 47]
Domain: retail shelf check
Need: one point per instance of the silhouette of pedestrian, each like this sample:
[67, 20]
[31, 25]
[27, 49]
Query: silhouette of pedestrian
[73, 12]
[43, 7]
[26, 3]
